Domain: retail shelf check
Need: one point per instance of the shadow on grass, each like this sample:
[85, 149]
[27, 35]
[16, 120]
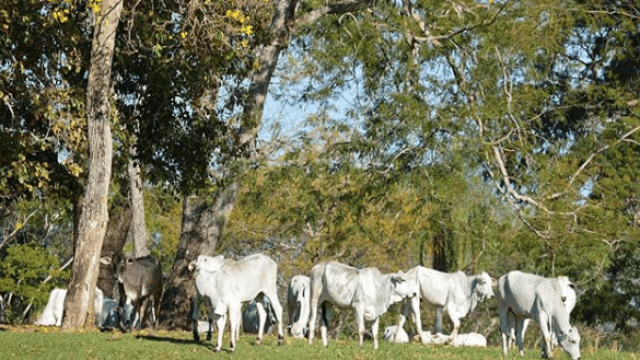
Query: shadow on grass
[173, 340]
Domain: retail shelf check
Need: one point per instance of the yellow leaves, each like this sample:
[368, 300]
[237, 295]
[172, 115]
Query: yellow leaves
[183, 34]
[246, 29]
[236, 15]
[61, 15]
[95, 5]
[18, 226]
[75, 169]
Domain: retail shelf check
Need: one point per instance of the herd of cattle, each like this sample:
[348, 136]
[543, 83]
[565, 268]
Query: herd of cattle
[226, 284]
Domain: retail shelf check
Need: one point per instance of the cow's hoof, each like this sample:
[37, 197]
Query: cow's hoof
[208, 338]
[257, 342]
[196, 338]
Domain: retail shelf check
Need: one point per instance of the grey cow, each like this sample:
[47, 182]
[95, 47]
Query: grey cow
[456, 293]
[139, 280]
[522, 296]
[368, 292]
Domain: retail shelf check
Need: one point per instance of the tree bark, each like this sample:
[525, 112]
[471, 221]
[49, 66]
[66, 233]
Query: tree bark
[202, 226]
[114, 240]
[94, 215]
[138, 226]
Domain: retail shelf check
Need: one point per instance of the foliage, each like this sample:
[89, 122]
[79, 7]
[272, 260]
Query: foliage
[23, 271]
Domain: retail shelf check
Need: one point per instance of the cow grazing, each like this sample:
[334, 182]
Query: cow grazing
[251, 317]
[54, 310]
[569, 298]
[368, 292]
[139, 280]
[298, 305]
[392, 334]
[522, 296]
[225, 285]
[456, 293]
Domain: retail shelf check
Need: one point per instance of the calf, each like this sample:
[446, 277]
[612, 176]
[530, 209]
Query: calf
[139, 279]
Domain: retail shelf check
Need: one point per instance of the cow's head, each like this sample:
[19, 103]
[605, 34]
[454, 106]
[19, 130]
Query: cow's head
[206, 263]
[484, 284]
[400, 288]
[301, 313]
[570, 343]
[127, 309]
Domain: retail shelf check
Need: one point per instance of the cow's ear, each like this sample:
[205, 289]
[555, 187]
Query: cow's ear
[494, 282]
[192, 265]
[129, 261]
[106, 260]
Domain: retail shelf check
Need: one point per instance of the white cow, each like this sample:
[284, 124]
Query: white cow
[522, 296]
[392, 334]
[569, 298]
[298, 305]
[456, 293]
[227, 284]
[52, 313]
[368, 292]
[461, 340]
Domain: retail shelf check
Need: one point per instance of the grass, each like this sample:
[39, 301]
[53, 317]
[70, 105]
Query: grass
[49, 343]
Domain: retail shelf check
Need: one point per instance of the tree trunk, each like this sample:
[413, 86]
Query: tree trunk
[94, 215]
[202, 226]
[138, 227]
[114, 240]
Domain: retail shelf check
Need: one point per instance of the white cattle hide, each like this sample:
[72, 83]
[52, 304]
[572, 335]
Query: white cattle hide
[456, 293]
[522, 296]
[54, 310]
[227, 284]
[368, 292]
[298, 295]
[392, 334]
[569, 298]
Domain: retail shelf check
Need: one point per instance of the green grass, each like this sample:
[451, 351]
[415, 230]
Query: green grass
[47, 344]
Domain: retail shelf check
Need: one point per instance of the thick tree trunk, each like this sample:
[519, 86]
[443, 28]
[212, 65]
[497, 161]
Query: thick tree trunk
[138, 228]
[94, 216]
[114, 241]
[202, 226]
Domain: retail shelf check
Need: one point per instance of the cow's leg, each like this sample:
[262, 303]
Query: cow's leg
[545, 325]
[272, 294]
[438, 325]
[374, 332]
[324, 322]
[157, 297]
[142, 310]
[360, 320]
[506, 326]
[262, 318]
[221, 321]
[312, 317]
[414, 311]
[520, 335]
[234, 324]
[194, 318]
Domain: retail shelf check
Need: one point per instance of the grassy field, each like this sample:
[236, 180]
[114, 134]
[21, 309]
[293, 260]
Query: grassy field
[49, 343]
